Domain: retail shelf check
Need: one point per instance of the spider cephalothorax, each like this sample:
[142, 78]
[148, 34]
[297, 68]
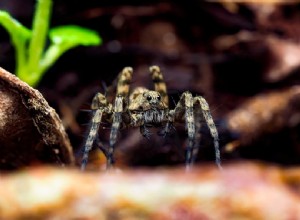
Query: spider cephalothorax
[145, 108]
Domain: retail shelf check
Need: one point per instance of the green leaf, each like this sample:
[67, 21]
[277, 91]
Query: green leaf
[31, 59]
[74, 35]
[13, 26]
[64, 38]
[19, 36]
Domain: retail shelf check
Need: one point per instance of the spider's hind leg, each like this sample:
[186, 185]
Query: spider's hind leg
[201, 102]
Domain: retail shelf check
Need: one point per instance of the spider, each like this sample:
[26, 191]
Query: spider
[145, 108]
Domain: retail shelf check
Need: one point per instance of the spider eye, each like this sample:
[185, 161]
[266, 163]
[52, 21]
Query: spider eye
[158, 97]
[149, 98]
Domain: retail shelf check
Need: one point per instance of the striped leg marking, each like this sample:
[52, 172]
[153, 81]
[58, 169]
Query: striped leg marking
[117, 120]
[159, 83]
[211, 125]
[186, 104]
[96, 120]
[198, 117]
[124, 80]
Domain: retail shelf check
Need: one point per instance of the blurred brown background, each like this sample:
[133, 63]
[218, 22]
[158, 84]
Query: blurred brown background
[244, 58]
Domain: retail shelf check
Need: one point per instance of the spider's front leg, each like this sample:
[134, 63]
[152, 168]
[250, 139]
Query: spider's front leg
[189, 108]
[99, 106]
[159, 83]
[201, 102]
[124, 80]
[198, 117]
[145, 131]
[117, 120]
[184, 108]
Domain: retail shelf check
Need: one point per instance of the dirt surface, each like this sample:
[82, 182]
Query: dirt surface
[241, 191]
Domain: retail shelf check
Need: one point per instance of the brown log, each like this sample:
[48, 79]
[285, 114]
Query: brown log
[265, 113]
[30, 130]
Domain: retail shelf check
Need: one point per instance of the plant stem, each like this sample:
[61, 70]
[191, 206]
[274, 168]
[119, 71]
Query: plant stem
[19, 37]
[20, 55]
[53, 52]
[38, 39]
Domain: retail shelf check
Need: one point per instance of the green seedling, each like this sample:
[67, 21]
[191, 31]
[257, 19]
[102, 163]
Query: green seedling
[32, 58]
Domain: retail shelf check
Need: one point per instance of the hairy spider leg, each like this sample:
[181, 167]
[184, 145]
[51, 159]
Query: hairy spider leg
[185, 105]
[211, 125]
[161, 87]
[124, 80]
[99, 106]
[117, 120]
[98, 143]
[96, 120]
[167, 129]
[159, 83]
[198, 116]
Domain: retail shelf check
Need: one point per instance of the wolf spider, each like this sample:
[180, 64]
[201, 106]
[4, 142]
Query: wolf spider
[146, 108]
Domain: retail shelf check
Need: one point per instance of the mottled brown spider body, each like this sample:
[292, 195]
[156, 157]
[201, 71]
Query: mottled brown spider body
[146, 108]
